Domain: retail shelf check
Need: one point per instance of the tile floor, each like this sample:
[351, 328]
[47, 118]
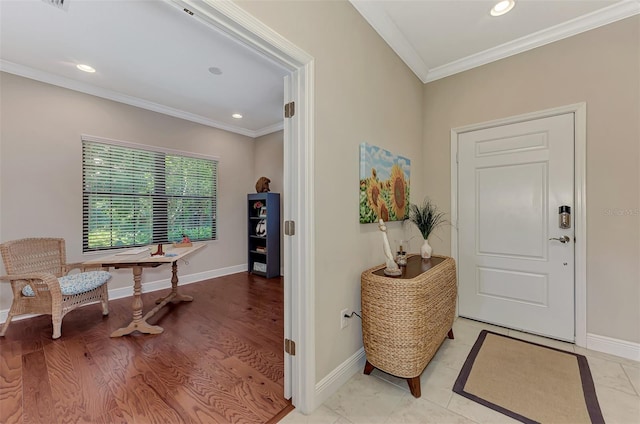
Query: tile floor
[382, 398]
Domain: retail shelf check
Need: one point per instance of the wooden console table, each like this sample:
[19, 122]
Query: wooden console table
[406, 318]
[137, 263]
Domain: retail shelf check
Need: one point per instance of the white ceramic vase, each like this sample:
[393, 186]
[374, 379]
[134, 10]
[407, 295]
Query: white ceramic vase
[426, 249]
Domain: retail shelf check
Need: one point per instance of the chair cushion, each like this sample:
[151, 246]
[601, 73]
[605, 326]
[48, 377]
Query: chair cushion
[76, 283]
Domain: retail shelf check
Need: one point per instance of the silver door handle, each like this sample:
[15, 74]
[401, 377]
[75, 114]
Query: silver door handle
[563, 239]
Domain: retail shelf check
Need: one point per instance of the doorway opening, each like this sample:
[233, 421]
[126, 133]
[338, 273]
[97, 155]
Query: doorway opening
[298, 183]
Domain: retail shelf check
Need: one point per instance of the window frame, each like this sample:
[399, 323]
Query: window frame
[158, 199]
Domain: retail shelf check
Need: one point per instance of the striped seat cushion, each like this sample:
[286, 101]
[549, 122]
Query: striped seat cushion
[76, 283]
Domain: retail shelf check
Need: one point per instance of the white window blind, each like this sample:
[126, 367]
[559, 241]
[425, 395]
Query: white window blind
[134, 197]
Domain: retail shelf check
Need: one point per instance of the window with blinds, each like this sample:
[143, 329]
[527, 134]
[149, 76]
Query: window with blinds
[134, 197]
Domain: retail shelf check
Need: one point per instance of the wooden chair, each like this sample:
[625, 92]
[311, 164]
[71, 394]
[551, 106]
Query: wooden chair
[38, 273]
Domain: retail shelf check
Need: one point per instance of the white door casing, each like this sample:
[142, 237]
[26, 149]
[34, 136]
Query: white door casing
[511, 181]
[299, 254]
[289, 155]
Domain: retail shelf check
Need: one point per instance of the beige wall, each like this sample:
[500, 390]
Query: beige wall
[602, 68]
[363, 92]
[41, 169]
[269, 162]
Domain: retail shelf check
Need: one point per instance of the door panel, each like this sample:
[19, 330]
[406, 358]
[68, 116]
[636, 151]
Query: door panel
[512, 180]
[511, 210]
[513, 286]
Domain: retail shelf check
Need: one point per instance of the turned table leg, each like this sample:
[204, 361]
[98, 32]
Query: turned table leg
[174, 296]
[138, 323]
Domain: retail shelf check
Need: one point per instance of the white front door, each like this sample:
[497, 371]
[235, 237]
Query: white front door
[513, 271]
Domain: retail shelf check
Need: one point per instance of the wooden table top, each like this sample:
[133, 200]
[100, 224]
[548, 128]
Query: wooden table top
[171, 254]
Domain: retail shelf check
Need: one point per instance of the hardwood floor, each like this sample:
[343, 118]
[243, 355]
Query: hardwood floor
[219, 360]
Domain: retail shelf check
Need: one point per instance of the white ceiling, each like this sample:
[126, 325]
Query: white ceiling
[438, 38]
[146, 53]
[153, 55]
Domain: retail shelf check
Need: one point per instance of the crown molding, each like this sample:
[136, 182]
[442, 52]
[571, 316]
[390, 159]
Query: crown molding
[567, 29]
[374, 13]
[46, 77]
[376, 16]
[268, 130]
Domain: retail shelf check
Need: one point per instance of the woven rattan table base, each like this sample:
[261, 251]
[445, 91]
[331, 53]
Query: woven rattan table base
[405, 320]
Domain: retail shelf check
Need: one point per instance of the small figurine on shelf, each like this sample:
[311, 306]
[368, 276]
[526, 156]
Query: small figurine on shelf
[261, 228]
[262, 185]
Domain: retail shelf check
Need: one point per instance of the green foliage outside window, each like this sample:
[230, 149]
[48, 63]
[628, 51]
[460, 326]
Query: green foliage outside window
[134, 197]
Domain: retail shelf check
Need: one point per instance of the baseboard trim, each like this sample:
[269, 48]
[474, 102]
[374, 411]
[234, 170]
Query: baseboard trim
[153, 286]
[617, 347]
[339, 376]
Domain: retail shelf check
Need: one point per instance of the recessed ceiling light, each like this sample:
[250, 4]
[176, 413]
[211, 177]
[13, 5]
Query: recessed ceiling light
[85, 68]
[215, 71]
[502, 7]
[236, 116]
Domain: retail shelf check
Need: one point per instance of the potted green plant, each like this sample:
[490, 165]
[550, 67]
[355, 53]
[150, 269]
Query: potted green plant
[427, 218]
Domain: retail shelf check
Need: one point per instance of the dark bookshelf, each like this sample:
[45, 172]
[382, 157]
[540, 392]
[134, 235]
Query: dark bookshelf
[263, 218]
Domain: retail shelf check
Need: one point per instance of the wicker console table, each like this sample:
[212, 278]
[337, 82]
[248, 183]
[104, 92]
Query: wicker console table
[405, 319]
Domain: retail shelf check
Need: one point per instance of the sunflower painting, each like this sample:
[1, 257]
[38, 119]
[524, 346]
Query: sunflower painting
[384, 185]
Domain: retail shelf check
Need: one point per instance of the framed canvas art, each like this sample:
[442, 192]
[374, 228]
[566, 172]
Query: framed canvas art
[384, 185]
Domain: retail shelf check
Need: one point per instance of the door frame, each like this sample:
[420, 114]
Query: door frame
[580, 200]
[298, 201]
